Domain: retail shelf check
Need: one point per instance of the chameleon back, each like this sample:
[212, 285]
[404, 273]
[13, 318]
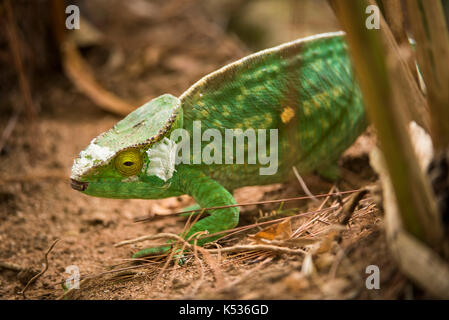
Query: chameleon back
[306, 89]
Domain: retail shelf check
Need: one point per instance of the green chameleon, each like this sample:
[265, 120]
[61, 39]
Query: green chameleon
[299, 100]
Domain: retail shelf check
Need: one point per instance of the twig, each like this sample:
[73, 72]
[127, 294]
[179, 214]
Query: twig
[244, 228]
[143, 219]
[349, 207]
[237, 248]
[303, 185]
[42, 272]
[327, 198]
[260, 247]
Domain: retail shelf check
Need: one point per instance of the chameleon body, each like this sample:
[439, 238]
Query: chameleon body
[305, 89]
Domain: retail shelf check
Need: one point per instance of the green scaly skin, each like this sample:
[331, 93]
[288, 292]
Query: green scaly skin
[310, 80]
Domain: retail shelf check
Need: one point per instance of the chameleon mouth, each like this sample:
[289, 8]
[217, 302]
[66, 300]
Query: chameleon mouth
[78, 185]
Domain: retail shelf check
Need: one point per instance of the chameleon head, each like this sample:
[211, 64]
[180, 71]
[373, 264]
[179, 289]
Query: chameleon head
[134, 159]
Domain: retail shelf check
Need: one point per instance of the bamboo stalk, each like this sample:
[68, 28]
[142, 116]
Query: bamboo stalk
[385, 107]
[414, 104]
[432, 43]
[417, 261]
[394, 15]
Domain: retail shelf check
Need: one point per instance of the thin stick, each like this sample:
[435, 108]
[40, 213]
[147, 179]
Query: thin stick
[42, 272]
[238, 248]
[303, 184]
[327, 198]
[258, 247]
[143, 219]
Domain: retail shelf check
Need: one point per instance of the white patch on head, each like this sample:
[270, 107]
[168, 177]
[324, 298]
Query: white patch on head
[92, 156]
[162, 158]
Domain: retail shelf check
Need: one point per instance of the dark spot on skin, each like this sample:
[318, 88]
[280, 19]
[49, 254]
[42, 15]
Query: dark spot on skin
[138, 124]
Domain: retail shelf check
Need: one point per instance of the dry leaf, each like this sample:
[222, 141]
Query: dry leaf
[279, 231]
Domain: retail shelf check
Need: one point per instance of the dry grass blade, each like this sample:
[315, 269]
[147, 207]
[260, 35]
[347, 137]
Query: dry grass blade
[349, 207]
[303, 184]
[261, 247]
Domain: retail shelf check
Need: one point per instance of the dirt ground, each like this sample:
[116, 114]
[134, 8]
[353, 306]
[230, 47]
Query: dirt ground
[147, 49]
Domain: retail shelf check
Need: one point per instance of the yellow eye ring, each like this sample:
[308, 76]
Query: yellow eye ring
[128, 162]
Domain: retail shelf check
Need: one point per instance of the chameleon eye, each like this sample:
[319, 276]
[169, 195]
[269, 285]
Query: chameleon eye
[128, 162]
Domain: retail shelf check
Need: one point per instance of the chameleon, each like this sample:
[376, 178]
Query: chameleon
[304, 90]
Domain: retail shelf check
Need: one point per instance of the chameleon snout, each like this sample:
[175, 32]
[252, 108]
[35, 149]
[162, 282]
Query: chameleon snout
[78, 185]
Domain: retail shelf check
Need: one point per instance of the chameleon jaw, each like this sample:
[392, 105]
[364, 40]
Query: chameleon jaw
[78, 185]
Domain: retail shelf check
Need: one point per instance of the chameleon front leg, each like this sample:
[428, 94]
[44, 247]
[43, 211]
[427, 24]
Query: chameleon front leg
[207, 193]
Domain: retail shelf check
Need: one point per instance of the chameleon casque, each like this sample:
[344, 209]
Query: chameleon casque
[305, 89]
